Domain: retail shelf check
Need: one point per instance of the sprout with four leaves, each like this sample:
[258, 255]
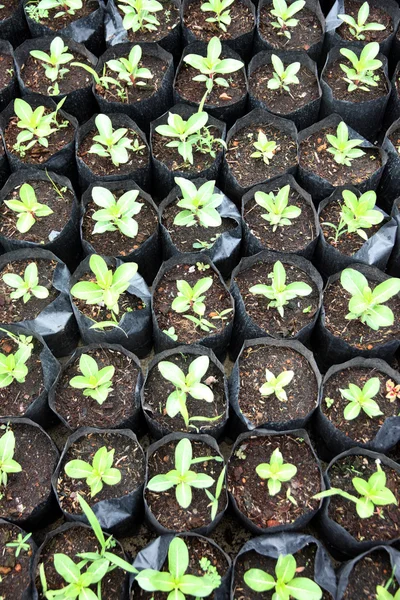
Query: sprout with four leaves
[276, 385]
[220, 10]
[28, 208]
[276, 472]
[13, 366]
[95, 383]
[139, 14]
[27, 286]
[52, 63]
[279, 213]
[7, 463]
[360, 75]
[99, 472]
[199, 204]
[116, 215]
[284, 14]
[362, 399]
[360, 26]
[113, 144]
[283, 78]
[128, 69]
[344, 150]
[191, 298]
[265, 149]
[188, 133]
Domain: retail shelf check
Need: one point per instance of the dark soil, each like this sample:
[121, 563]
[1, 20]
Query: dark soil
[280, 101]
[158, 389]
[306, 33]
[14, 311]
[82, 411]
[164, 505]
[268, 318]
[362, 429]
[385, 522]
[376, 15]
[249, 171]
[355, 333]
[334, 77]
[217, 299]
[66, 19]
[168, 19]
[395, 139]
[302, 391]
[305, 561]
[46, 229]
[31, 487]
[15, 571]
[196, 20]
[8, 9]
[114, 243]
[6, 63]
[193, 91]
[16, 397]
[287, 238]
[314, 157]
[251, 492]
[369, 572]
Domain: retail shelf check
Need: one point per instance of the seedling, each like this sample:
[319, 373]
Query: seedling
[20, 544]
[211, 67]
[95, 383]
[175, 582]
[279, 292]
[286, 584]
[185, 385]
[204, 245]
[382, 593]
[28, 208]
[171, 333]
[13, 366]
[362, 399]
[96, 474]
[366, 304]
[372, 493]
[214, 500]
[27, 286]
[265, 149]
[285, 16]
[278, 212]
[359, 27]
[276, 472]
[139, 14]
[7, 463]
[220, 10]
[360, 75]
[189, 298]
[344, 150]
[116, 215]
[199, 204]
[41, 10]
[276, 385]
[128, 69]
[393, 390]
[52, 62]
[182, 477]
[283, 78]
[113, 144]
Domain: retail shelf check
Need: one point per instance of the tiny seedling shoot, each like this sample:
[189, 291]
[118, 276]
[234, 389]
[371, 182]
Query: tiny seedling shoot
[284, 14]
[27, 286]
[276, 385]
[7, 463]
[220, 12]
[28, 208]
[283, 78]
[383, 593]
[39, 9]
[265, 148]
[53, 62]
[95, 383]
[96, 474]
[362, 399]
[276, 472]
[360, 76]
[192, 298]
[116, 215]
[358, 27]
[20, 544]
[113, 144]
[344, 150]
[140, 14]
[199, 204]
[279, 212]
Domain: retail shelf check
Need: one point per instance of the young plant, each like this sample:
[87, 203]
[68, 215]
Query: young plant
[360, 76]
[185, 385]
[344, 150]
[191, 298]
[52, 62]
[199, 204]
[27, 286]
[211, 67]
[276, 472]
[95, 383]
[276, 385]
[368, 305]
[182, 478]
[283, 78]
[284, 14]
[214, 500]
[220, 10]
[20, 544]
[175, 581]
[41, 10]
[113, 144]
[279, 292]
[278, 212]
[382, 593]
[7, 463]
[96, 474]
[116, 215]
[171, 333]
[362, 399]
[139, 14]
[187, 133]
[28, 208]
[372, 493]
[287, 584]
[128, 69]
[360, 26]
[13, 366]
[265, 148]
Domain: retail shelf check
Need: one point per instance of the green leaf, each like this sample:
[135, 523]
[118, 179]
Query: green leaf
[183, 455]
[178, 558]
[66, 567]
[258, 580]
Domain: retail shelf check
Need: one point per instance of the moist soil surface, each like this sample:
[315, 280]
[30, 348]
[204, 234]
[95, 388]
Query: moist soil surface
[168, 18]
[307, 32]
[158, 389]
[38, 154]
[14, 570]
[343, 511]
[286, 238]
[314, 157]
[6, 63]
[362, 429]
[114, 243]
[8, 9]
[269, 319]
[16, 397]
[66, 19]
[280, 101]
[251, 492]
[71, 542]
[195, 20]
[334, 77]
[336, 301]
[376, 15]
[164, 505]
[249, 171]
[372, 570]
[14, 311]
[45, 229]
[31, 487]
[217, 299]
[82, 411]
[102, 165]
[135, 93]
[302, 391]
[305, 561]
[128, 459]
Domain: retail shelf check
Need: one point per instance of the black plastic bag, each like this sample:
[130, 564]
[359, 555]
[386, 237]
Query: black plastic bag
[225, 251]
[15, 29]
[134, 331]
[157, 431]
[11, 90]
[27, 593]
[394, 261]
[56, 323]
[389, 186]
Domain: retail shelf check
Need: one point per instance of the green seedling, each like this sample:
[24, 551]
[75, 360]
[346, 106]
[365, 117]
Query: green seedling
[7, 463]
[221, 14]
[276, 472]
[140, 14]
[199, 204]
[26, 286]
[95, 383]
[358, 27]
[344, 150]
[362, 399]
[284, 14]
[116, 215]
[360, 76]
[13, 366]
[265, 149]
[113, 144]
[52, 62]
[28, 208]
[279, 212]
[283, 78]
[96, 474]
[276, 385]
